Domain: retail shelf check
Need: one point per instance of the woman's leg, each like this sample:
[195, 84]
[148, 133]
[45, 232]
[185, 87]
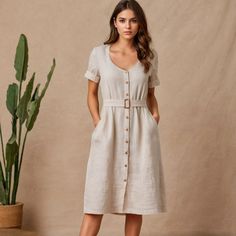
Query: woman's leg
[133, 224]
[90, 225]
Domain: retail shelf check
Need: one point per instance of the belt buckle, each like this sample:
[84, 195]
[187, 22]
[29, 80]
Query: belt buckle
[126, 99]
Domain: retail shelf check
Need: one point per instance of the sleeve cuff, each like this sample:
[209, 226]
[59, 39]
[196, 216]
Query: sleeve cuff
[89, 75]
[153, 82]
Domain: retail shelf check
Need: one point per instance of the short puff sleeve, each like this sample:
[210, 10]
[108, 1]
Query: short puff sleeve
[153, 79]
[92, 72]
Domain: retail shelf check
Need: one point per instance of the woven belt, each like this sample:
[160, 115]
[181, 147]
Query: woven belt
[126, 103]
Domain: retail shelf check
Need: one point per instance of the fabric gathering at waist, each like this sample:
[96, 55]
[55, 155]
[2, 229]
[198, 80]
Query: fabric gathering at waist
[126, 103]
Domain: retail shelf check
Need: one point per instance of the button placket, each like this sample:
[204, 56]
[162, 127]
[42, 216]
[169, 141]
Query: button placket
[126, 127]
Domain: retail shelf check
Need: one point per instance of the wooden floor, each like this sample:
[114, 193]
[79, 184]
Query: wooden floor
[16, 232]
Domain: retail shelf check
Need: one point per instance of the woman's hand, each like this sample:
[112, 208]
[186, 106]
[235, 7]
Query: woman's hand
[95, 122]
[156, 116]
[153, 105]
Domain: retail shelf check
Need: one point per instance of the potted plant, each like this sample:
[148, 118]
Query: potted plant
[24, 110]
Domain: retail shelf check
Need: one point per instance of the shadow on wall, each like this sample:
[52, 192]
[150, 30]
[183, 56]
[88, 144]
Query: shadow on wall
[195, 233]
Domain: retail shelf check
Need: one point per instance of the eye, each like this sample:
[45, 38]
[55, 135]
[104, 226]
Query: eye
[122, 20]
[134, 20]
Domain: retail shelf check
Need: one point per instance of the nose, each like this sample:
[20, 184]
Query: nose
[127, 24]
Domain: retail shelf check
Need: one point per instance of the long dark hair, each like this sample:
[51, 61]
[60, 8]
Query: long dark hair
[142, 39]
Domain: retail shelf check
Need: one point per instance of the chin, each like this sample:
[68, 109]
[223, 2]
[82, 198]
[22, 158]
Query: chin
[128, 36]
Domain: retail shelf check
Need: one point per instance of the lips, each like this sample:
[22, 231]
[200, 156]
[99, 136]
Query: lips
[127, 32]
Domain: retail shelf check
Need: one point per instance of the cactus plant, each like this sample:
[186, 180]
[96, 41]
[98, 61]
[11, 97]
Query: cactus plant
[24, 110]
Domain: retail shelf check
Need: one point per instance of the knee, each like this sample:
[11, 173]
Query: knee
[92, 220]
[93, 216]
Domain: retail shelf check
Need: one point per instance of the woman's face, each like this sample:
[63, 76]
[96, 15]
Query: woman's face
[126, 24]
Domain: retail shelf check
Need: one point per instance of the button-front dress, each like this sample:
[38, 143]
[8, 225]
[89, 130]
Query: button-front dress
[124, 168]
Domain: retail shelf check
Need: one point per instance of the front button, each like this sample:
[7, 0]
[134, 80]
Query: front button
[125, 180]
[126, 152]
[126, 129]
[125, 165]
[126, 82]
[127, 117]
[126, 141]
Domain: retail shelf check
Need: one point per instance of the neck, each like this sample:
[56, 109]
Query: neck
[124, 44]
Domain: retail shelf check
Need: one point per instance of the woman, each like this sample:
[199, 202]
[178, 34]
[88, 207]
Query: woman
[124, 171]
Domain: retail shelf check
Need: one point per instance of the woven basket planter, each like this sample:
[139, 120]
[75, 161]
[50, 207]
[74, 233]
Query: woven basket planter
[11, 215]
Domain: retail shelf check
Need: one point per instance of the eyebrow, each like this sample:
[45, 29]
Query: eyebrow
[125, 18]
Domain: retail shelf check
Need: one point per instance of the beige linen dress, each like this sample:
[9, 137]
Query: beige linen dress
[124, 168]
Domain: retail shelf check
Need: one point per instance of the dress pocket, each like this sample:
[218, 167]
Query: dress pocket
[152, 118]
[95, 128]
[102, 119]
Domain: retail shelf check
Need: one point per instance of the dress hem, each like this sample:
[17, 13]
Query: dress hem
[127, 211]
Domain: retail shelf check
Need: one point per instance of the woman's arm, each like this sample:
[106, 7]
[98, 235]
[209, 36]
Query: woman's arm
[152, 104]
[92, 101]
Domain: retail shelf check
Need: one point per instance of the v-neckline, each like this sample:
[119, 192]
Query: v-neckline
[119, 68]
